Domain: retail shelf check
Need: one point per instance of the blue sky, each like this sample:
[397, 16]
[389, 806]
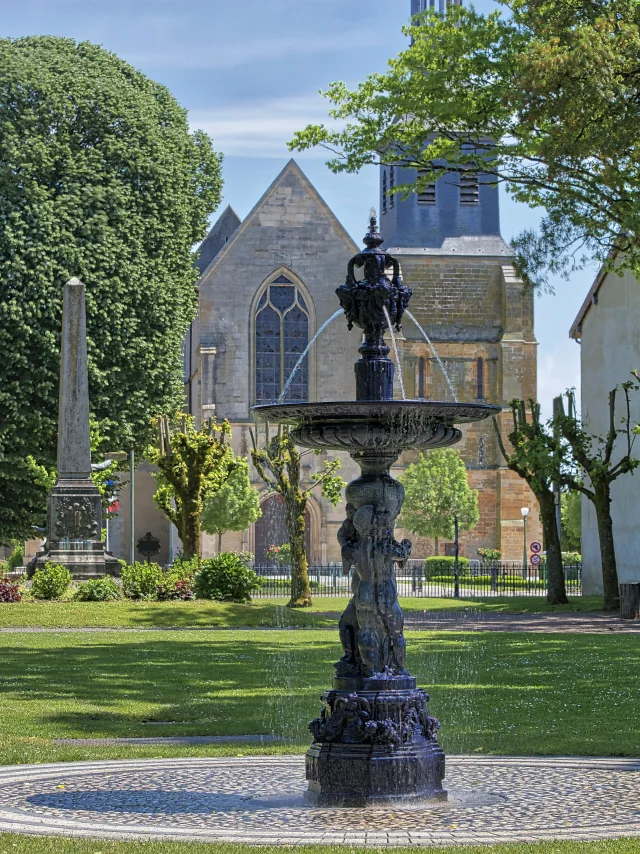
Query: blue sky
[249, 74]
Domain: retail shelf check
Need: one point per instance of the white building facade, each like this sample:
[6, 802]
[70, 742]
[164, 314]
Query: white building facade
[608, 330]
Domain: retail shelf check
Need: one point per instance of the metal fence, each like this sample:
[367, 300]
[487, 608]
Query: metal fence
[476, 581]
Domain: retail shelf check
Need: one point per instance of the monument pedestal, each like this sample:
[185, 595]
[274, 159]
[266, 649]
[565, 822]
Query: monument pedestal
[373, 743]
[74, 530]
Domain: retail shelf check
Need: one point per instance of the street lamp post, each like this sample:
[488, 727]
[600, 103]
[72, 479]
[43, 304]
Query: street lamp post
[525, 513]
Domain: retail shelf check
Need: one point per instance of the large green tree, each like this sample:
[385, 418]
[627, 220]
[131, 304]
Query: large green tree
[545, 98]
[100, 178]
[436, 491]
[234, 506]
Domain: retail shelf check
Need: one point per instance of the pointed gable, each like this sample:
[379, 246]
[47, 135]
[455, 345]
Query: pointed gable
[290, 237]
[291, 202]
[221, 231]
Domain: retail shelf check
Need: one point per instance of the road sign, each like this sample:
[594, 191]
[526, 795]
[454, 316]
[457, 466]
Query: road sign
[535, 548]
[535, 560]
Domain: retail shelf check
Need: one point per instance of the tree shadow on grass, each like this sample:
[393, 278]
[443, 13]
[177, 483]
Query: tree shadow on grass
[493, 692]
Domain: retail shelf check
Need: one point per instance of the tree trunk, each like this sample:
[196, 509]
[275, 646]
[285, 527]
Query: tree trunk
[556, 591]
[219, 542]
[602, 504]
[190, 529]
[300, 587]
[436, 547]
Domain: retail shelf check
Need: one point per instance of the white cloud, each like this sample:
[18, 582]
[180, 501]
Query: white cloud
[262, 128]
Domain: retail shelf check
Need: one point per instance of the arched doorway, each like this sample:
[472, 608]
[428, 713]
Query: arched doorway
[271, 529]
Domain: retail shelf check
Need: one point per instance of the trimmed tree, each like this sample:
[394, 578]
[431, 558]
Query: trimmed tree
[100, 178]
[234, 506]
[436, 491]
[536, 455]
[279, 465]
[193, 464]
[545, 99]
[600, 459]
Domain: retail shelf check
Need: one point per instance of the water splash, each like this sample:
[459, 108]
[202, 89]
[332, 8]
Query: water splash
[306, 350]
[395, 350]
[433, 350]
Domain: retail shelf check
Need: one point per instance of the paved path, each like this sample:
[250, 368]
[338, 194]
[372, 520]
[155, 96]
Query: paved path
[466, 620]
[479, 621]
[259, 800]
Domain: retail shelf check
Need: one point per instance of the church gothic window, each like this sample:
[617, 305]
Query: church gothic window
[392, 183]
[282, 334]
[480, 379]
[384, 192]
[421, 375]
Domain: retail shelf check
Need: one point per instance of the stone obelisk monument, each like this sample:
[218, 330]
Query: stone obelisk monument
[74, 518]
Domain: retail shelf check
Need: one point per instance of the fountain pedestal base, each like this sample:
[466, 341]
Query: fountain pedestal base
[374, 742]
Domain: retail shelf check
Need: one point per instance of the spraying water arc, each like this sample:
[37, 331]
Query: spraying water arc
[306, 350]
[435, 353]
[395, 350]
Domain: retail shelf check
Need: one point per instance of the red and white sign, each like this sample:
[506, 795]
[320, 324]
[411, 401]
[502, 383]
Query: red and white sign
[535, 560]
[535, 548]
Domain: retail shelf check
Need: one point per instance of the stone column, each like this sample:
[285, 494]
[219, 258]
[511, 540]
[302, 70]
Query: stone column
[74, 519]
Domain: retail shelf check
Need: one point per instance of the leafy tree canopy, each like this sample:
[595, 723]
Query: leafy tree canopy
[571, 520]
[100, 178]
[234, 506]
[436, 490]
[546, 98]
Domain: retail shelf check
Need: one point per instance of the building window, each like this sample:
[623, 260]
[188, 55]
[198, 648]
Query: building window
[480, 379]
[469, 188]
[481, 451]
[421, 373]
[282, 334]
[384, 192]
[427, 196]
[392, 183]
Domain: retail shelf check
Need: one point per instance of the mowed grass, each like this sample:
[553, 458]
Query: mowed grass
[10, 843]
[259, 613]
[495, 693]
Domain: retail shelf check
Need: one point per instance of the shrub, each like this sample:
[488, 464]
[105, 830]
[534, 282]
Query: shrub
[571, 558]
[490, 554]
[98, 590]
[9, 592]
[50, 581]
[445, 566]
[227, 577]
[141, 580]
[16, 558]
[178, 581]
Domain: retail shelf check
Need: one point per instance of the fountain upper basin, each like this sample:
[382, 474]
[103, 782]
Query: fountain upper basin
[364, 426]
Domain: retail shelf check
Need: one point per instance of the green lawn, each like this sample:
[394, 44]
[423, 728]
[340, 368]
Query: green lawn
[494, 692]
[261, 612]
[10, 843]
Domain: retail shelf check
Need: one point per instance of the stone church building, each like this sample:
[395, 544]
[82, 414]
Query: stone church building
[268, 284]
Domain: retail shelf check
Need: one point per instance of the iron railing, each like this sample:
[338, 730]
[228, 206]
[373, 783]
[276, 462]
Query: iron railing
[498, 578]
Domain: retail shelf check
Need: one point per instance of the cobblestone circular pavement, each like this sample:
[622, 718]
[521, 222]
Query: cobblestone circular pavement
[259, 800]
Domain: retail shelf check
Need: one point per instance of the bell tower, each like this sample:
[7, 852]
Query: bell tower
[441, 6]
[469, 300]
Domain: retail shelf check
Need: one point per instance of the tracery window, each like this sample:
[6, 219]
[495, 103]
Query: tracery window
[282, 334]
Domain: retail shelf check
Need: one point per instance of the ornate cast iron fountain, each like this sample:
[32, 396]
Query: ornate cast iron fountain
[374, 739]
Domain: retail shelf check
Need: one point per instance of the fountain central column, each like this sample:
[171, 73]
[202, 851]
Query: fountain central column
[374, 739]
